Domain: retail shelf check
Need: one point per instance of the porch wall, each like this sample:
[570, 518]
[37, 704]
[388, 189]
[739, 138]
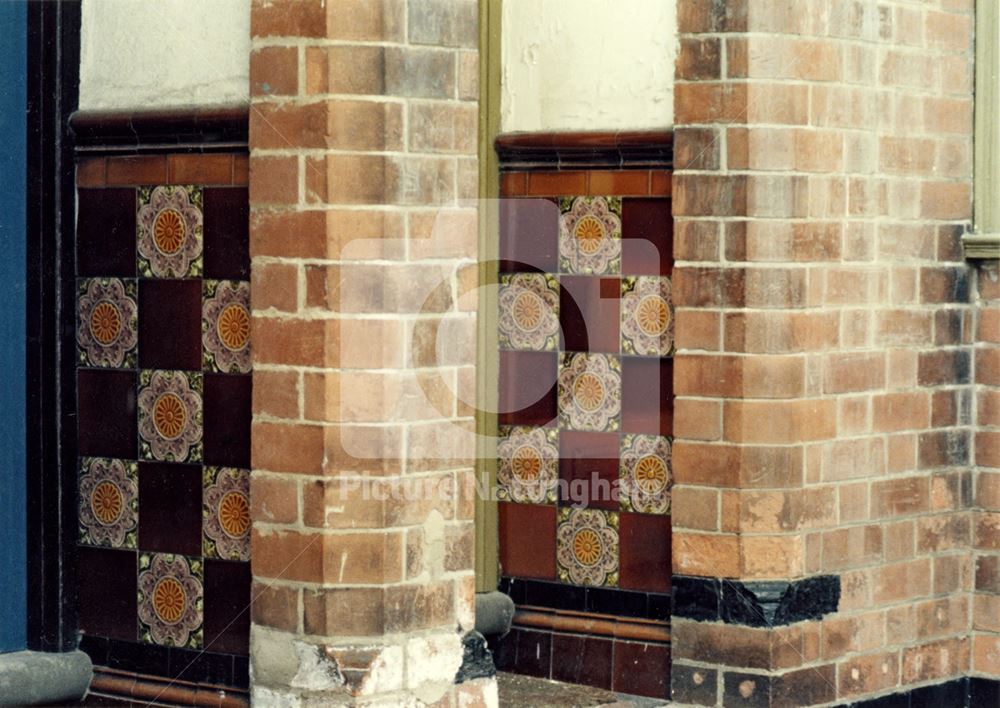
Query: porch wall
[824, 412]
[363, 136]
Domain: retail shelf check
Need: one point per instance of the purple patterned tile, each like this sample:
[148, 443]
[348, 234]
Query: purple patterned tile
[170, 600]
[169, 225]
[590, 231]
[528, 311]
[646, 476]
[589, 392]
[226, 326]
[170, 416]
[528, 464]
[107, 322]
[647, 321]
[108, 502]
[587, 546]
[226, 501]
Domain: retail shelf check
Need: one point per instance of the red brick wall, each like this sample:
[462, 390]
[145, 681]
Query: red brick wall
[823, 378]
[986, 518]
[363, 130]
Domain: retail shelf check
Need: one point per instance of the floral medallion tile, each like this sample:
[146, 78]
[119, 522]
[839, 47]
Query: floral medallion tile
[170, 600]
[590, 391]
[646, 476]
[587, 546]
[107, 331]
[170, 416]
[226, 502]
[529, 311]
[590, 235]
[169, 227]
[108, 502]
[528, 464]
[647, 316]
[225, 326]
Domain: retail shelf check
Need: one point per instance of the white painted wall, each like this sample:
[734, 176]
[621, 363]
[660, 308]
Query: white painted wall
[587, 64]
[164, 53]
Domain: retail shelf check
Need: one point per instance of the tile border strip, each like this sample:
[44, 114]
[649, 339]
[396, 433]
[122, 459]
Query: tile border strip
[764, 603]
[525, 152]
[209, 129]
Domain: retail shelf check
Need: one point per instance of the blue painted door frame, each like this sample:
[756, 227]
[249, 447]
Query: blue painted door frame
[13, 286]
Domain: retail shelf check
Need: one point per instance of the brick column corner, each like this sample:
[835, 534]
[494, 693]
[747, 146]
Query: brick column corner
[822, 457]
[363, 172]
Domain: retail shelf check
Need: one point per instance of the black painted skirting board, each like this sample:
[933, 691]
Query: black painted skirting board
[968, 692]
[764, 603]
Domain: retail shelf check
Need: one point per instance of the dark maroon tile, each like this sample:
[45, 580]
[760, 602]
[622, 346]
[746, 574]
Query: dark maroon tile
[105, 232]
[644, 552]
[534, 653]
[528, 540]
[642, 669]
[227, 414]
[106, 592]
[529, 235]
[582, 455]
[589, 313]
[647, 237]
[227, 603]
[226, 233]
[170, 324]
[647, 395]
[527, 388]
[106, 413]
[580, 659]
[170, 508]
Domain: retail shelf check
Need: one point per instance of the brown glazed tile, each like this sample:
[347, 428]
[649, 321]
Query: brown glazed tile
[90, 172]
[241, 170]
[647, 395]
[106, 413]
[226, 233]
[619, 183]
[170, 324]
[137, 170]
[227, 411]
[660, 183]
[105, 232]
[513, 184]
[647, 237]
[534, 653]
[583, 660]
[227, 606]
[529, 235]
[589, 313]
[642, 669]
[200, 169]
[527, 388]
[541, 184]
[170, 508]
[644, 552]
[107, 609]
[581, 455]
[528, 540]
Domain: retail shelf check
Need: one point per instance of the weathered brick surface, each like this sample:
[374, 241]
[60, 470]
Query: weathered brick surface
[363, 136]
[823, 179]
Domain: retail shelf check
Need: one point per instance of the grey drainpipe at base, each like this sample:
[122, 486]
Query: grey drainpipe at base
[34, 677]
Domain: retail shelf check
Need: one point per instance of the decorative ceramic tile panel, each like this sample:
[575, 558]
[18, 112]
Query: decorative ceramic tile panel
[169, 221]
[586, 279]
[587, 546]
[107, 315]
[164, 408]
[108, 502]
[170, 600]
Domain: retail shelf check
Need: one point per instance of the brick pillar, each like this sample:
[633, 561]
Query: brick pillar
[986, 600]
[363, 135]
[822, 519]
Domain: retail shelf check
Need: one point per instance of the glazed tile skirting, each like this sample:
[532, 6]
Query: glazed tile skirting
[163, 411]
[761, 603]
[585, 330]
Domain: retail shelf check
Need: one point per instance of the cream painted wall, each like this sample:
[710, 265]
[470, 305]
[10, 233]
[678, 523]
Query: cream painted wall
[587, 64]
[162, 53]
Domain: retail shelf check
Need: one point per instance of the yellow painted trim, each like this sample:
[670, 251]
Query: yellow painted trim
[985, 242]
[487, 548]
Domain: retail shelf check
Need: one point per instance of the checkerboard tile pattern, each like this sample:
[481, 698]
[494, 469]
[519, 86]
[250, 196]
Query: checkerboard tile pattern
[163, 390]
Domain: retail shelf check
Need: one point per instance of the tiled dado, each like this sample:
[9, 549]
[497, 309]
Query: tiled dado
[164, 391]
[585, 329]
